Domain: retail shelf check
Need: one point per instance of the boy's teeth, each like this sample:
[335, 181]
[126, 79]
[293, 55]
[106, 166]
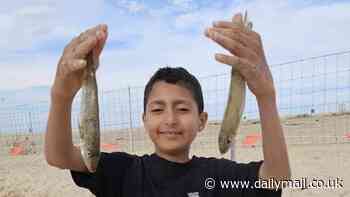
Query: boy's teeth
[170, 132]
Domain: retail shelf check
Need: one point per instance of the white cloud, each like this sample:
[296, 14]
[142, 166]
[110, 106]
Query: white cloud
[23, 25]
[134, 6]
[288, 32]
[187, 20]
[185, 5]
[291, 32]
[34, 11]
[128, 6]
[30, 24]
[36, 70]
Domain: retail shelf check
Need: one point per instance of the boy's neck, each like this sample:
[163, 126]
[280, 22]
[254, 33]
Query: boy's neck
[178, 158]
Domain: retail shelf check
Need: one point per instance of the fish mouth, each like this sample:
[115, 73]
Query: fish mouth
[224, 143]
[223, 149]
[92, 164]
[91, 159]
[92, 167]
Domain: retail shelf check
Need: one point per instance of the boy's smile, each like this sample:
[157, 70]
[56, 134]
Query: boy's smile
[172, 120]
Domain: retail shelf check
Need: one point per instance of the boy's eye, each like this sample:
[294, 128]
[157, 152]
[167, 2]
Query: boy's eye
[183, 109]
[156, 110]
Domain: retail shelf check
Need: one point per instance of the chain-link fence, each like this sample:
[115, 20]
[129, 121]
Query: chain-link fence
[307, 89]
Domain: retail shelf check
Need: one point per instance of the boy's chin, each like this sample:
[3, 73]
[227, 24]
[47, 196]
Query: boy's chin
[173, 149]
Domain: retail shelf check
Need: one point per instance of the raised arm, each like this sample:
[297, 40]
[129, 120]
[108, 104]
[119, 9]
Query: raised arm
[248, 58]
[276, 162]
[59, 149]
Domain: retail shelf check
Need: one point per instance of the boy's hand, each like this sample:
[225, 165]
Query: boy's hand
[69, 74]
[247, 54]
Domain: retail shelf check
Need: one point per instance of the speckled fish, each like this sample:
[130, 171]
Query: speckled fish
[235, 105]
[89, 122]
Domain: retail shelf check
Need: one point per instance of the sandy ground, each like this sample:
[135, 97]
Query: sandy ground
[316, 145]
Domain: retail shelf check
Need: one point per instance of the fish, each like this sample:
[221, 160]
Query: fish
[89, 121]
[235, 104]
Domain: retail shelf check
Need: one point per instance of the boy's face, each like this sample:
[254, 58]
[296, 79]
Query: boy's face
[171, 118]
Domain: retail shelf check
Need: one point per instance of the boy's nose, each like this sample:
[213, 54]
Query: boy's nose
[170, 118]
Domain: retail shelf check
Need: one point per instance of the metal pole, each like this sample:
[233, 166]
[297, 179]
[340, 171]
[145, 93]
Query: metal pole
[30, 122]
[312, 111]
[291, 92]
[337, 107]
[324, 84]
[1, 138]
[216, 97]
[130, 122]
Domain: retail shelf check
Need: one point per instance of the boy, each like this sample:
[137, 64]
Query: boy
[173, 115]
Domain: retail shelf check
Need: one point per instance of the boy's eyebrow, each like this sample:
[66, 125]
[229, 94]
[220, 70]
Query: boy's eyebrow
[176, 102]
[157, 102]
[186, 102]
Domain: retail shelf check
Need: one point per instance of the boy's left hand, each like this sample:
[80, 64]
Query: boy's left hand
[247, 54]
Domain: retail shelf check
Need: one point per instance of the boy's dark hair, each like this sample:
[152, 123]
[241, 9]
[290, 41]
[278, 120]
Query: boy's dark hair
[178, 76]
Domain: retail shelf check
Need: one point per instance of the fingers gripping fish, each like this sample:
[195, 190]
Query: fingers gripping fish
[89, 124]
[235, 105]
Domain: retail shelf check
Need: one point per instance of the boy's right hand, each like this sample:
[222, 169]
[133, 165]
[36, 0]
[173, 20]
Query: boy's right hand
[69, 73]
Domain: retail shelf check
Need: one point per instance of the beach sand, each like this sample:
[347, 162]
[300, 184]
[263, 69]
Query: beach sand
[317, 147]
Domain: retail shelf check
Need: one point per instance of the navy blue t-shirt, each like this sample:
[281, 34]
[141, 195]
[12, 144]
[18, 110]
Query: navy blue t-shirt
[123, 175]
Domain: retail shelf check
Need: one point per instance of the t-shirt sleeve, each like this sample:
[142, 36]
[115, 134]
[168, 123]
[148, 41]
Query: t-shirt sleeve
[109, 175]
[247, 173]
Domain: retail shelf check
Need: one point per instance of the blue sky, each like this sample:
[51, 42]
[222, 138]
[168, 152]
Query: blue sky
[147, 34]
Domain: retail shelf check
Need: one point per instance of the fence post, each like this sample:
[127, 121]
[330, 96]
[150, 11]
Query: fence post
[30, 129]
[131, 136]
[1, 139]
[216, 97]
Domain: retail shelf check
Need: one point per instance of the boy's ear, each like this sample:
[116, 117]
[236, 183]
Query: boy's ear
[144, 122]
[203, 118]
[143, 117]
